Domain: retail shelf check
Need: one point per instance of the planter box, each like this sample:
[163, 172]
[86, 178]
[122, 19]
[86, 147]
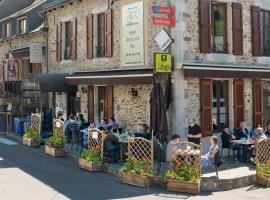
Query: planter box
[90, 165]
[186, 187]
[30, 143]
[140, 181]
[263, 181]
[54, 152]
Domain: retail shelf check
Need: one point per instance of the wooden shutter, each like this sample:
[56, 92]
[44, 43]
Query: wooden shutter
[109, 102]
[257, 102]
[205, 26]
[206, 107]
[237, 29]
[91, 103]
[58, 42]
[108, 33]
[89, 42]
[73, 39]
[239, 102]
[255, 31]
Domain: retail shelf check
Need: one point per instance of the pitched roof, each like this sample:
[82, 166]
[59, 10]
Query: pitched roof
[7, 7]
[55, 4]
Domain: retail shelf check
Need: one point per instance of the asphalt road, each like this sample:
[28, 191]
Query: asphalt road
[29, 174]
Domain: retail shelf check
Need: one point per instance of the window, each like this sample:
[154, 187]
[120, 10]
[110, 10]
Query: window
[101, 35]
[67, 44]
[220, 104]
[6, 29]
[21, 25]
[265, 32]
[219, 24]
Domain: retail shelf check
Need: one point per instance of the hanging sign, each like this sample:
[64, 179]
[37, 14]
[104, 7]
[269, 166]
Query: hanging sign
[11, 68]
[163, 21]
[163, 62]
[163, 40]
[35, 53]
[163, 10]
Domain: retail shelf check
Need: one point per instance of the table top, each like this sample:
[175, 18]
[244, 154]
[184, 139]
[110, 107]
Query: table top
[125, 141]
[244, 142]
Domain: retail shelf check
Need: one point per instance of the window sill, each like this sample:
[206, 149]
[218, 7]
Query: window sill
[220, 57]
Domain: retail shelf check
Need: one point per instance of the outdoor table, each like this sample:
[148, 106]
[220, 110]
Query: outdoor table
[244, 142]
[122, 142]
[245, 151]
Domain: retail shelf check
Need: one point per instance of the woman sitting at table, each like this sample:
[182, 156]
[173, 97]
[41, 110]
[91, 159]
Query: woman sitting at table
[208, 159]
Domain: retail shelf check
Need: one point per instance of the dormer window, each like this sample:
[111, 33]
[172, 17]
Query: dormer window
[6, 29]
[21, 25]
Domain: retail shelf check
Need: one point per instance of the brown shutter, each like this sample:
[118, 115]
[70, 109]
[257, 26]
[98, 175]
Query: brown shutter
[91, 103]
[205, 26]
[206, 107]
[89, 42]
[109, 102]
[237, 29]
[58, 42]
[108, 33]
[255, 31]
[257, 102]
[239, 102]
[73, 39]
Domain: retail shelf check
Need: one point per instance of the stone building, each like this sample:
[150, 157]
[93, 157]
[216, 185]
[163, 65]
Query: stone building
[222, 75]
[108, 48]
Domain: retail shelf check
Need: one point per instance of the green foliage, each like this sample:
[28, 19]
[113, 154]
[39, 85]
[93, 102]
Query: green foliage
[264, 170]
[33, 134]
[58, 139]
[91, 154]
[186, 173]
[138, 167]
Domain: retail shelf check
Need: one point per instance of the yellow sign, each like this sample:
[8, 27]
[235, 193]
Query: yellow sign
[163, 63]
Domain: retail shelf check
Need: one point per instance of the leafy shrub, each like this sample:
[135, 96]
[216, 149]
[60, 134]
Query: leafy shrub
[91, 154]
[185, 173]
[58, 139]
[264, 170]
[138, 167]
[33, 134]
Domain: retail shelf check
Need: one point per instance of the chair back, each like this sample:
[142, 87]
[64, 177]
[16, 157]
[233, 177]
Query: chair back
[217, 159]
[73, 127]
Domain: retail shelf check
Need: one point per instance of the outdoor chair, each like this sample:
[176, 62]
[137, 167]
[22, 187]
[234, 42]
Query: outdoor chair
[217, 161]
[73, 134]
[224, 146]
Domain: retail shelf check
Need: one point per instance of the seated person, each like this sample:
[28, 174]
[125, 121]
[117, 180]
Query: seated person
[267, 132]
[103, 125]
[71, 125]
[110, 143]
[260, 135]
[208, 159]
[242, 132]
[113, 123]
[175, 139]
[226, 138]
[81, 122]
[143, 131]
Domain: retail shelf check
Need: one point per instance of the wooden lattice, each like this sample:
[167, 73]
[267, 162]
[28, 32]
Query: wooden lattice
[185, 153]
[96, 140]
[36, 121]
[141, 148]
[58, 124]
[263, 152]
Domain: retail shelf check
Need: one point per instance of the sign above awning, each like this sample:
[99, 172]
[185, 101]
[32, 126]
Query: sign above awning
[112, 77]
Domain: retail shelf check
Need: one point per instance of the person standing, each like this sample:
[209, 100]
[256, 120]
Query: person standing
[194, 132]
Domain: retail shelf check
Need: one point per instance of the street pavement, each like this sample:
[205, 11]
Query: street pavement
[29, 174]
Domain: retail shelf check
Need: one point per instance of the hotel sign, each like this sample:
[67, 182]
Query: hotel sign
[132, 48]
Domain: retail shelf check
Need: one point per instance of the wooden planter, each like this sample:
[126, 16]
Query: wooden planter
[186, 187]
[140, 181]
[30, 143]
[54, 152]
[90, 165]
[263, 181]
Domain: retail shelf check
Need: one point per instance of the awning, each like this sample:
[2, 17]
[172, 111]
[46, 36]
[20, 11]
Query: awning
[216, 71]
[19, 53]
[54, 83]
[112, 77]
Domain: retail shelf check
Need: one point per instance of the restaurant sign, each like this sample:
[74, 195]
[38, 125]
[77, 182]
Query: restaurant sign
[133, 34]
[163, 63]
[163, 21]
[163, 10]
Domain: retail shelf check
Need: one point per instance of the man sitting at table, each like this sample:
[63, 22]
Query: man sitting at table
[110, 145]
[242, 132]
[175, 139]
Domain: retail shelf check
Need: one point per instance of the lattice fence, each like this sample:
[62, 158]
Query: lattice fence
[263, 155]
[185, 153]
[36, 121]
[96, 140]
[58, 125]
[141, 148]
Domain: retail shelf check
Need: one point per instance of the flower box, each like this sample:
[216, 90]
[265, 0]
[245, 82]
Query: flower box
[179, 186]
[90, 165]
[263, 181]
[30, 143]
[136, 180]
[54, 151]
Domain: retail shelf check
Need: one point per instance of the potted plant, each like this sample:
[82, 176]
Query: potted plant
[56, 143]
[90, 159]
[137, 172]
[184, 179]
[263, 174]
[31, 138]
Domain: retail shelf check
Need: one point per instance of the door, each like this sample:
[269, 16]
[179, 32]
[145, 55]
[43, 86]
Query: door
[105, 102]
[239, 102]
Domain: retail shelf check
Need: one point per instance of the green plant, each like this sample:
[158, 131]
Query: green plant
[264, 170]
[91, 154]
[185, 173]
[33, 134]
[138, 167]
[58, 139]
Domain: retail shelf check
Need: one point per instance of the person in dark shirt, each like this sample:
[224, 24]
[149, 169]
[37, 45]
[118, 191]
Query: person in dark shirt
[267, 132]
[194, 132]
[242, 131]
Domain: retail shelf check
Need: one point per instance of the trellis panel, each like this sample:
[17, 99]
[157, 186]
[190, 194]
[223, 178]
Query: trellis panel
[96, 142]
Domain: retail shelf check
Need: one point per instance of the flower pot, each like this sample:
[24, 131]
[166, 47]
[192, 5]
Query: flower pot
[136, 180]
[179, 186]
[90, 165]
[30, 143]
[54, 151]
[263, 181]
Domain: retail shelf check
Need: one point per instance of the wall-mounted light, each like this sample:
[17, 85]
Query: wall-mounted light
[134, 92]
